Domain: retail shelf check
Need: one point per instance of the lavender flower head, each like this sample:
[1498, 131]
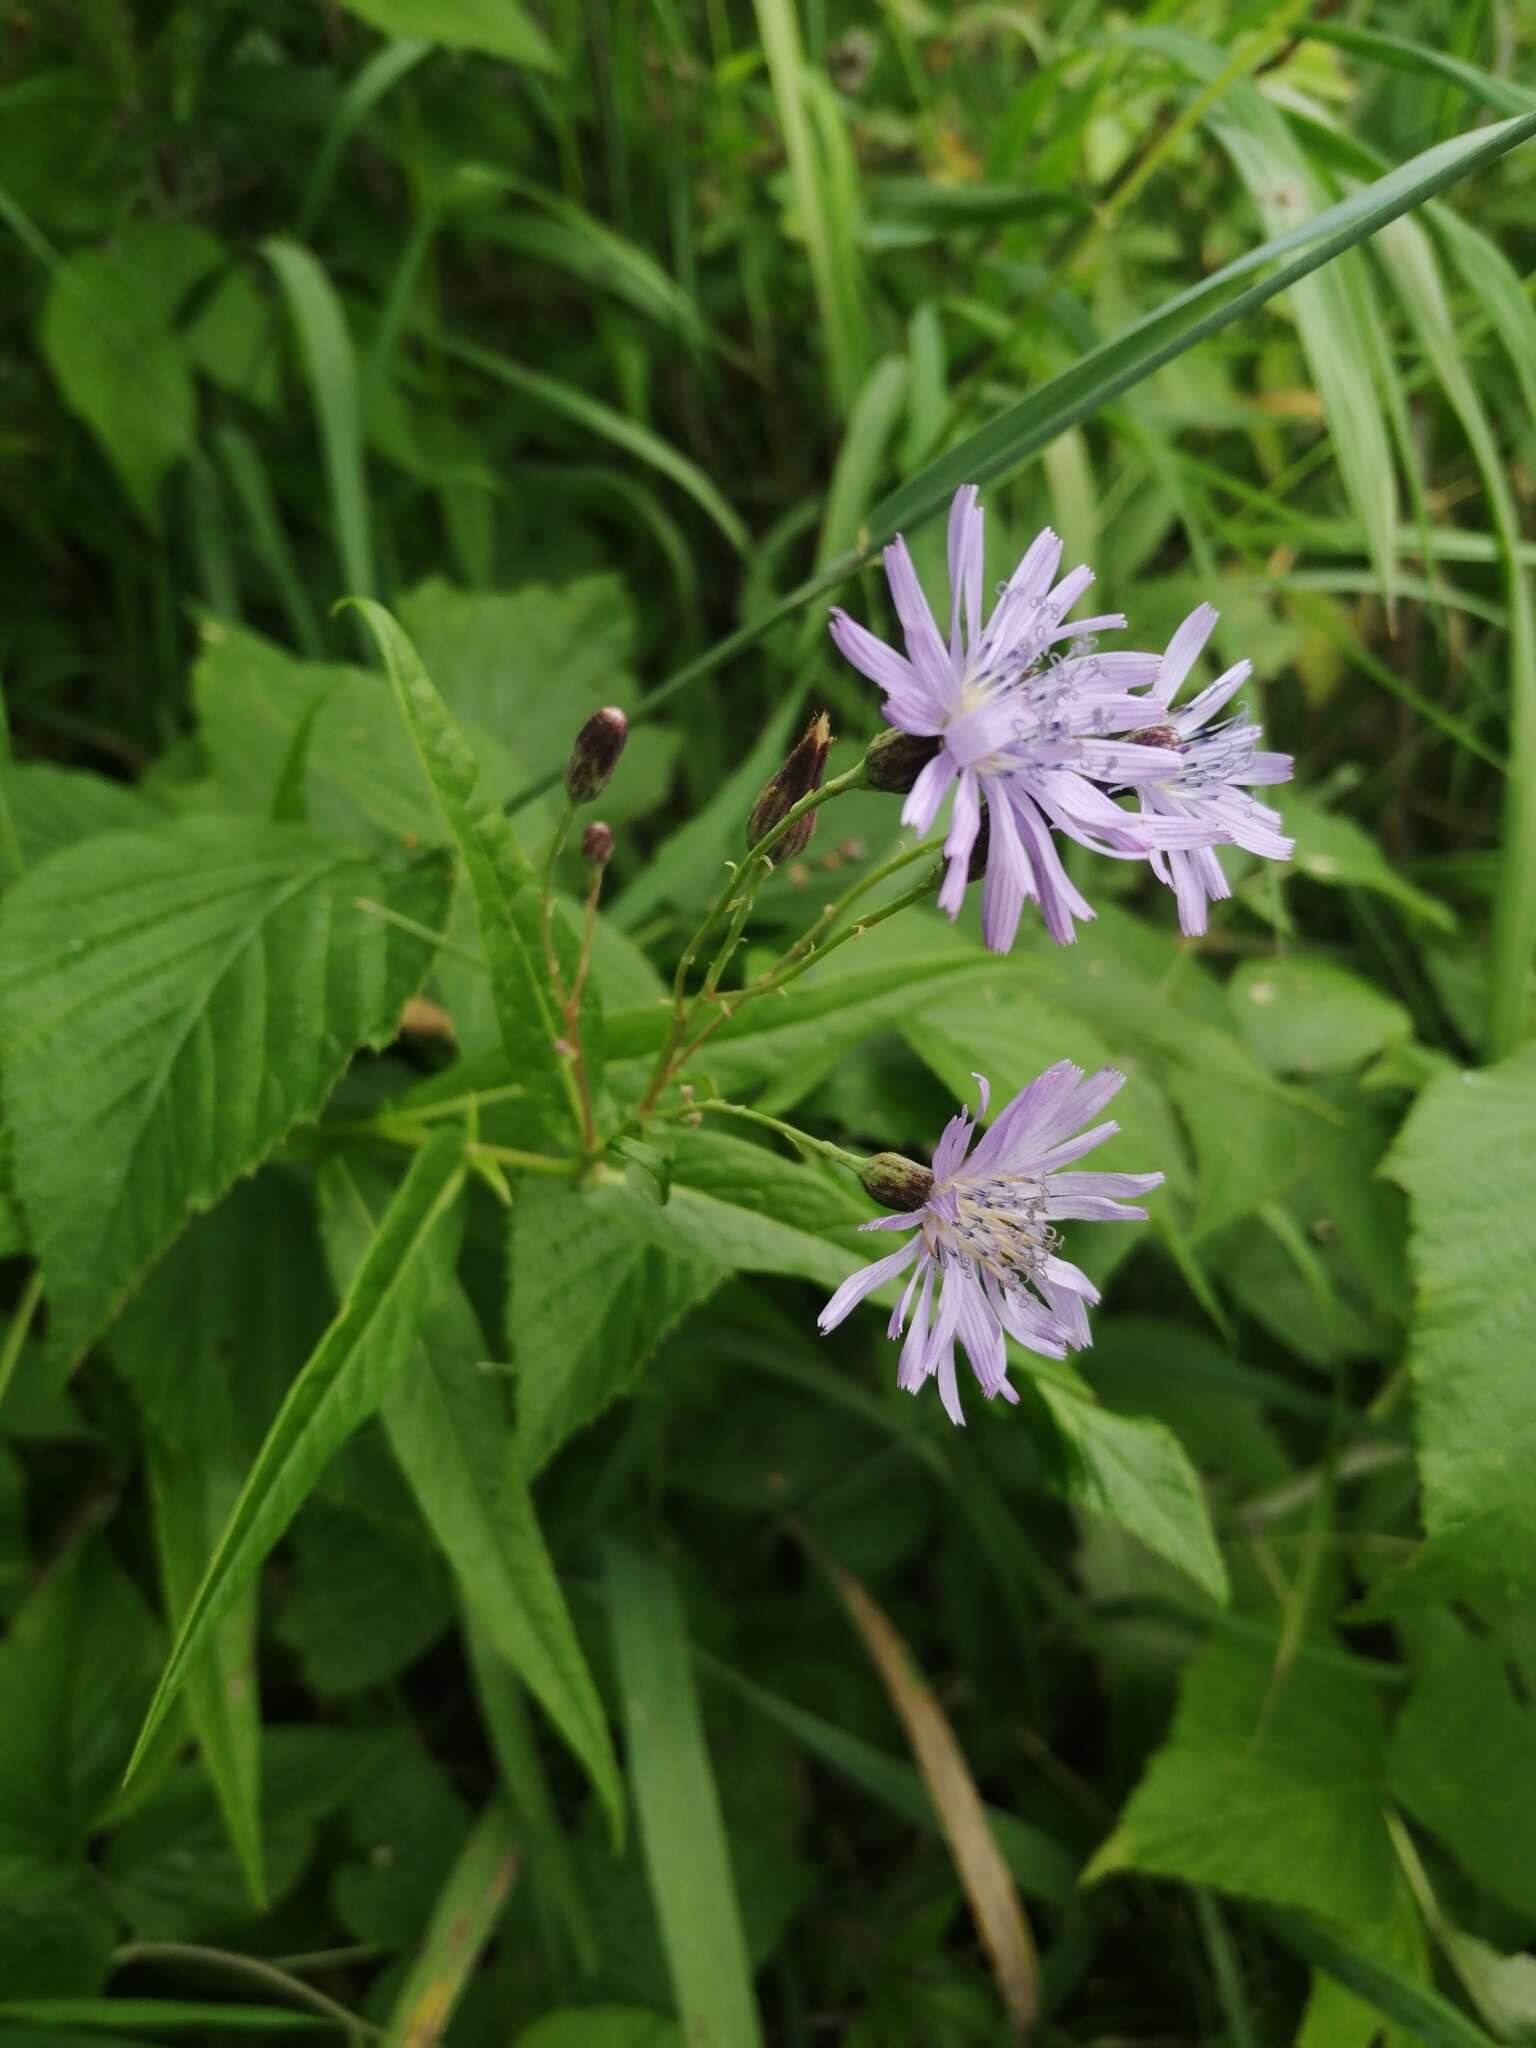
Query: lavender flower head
[1208, 767]
[983, 1252]
[1020, 724]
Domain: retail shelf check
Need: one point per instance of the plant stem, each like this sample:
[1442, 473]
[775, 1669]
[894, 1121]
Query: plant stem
[802, 1140]
[807, 940]
[547, 898]
[20, 1323]
[294, 1989]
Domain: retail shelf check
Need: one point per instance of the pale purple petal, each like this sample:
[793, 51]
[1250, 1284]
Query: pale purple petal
[965, 571]
[1009, 879]
[865, 1281]
[1183, 649]
[928, 792]
[925, 649]
[964, 824]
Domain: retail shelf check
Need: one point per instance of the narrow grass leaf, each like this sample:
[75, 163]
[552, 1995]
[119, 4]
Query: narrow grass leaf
[1434, 2022]
[338, 1388]
[679, 1807]
[463, 1922]
[248, 480]
[330, 365]
[983, 1872]
[384, 69]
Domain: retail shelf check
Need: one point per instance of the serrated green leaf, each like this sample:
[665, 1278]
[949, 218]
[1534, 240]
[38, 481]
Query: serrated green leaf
[1467, 1158]
[450, 1432]
[500, 878]
[1270, 1785]
[341, 1384]
[1135, 1472]
[171, 1003]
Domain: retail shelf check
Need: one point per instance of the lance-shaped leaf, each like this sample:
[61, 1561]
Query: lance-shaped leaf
[339, 1388]
[500, 878]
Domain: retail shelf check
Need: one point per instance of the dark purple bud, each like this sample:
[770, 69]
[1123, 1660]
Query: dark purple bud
[895, 1182]
[801, 773]
[597, 843]
[596, 754]
[1156, 736]
[895, 760]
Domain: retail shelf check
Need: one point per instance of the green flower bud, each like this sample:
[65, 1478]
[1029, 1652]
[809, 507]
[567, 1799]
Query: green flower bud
[895, 1182]
[895, 759]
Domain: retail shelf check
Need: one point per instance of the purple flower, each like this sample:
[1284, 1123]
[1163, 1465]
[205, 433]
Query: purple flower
[1205, 774]
[1020, 724]
[984, 1253]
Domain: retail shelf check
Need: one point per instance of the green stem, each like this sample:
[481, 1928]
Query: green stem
[439, 940]
[806, 943]
[413, 1136]
[294, 1989]
[802, 1140]
[21, 1322]
[547, 899]
[661, 1073]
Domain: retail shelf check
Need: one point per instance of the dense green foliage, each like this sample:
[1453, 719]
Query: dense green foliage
[452, 1591]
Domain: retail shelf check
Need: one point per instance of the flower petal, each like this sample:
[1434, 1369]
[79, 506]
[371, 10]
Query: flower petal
[865, 1281]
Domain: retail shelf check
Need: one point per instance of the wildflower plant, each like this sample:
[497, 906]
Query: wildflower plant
[664, 1252]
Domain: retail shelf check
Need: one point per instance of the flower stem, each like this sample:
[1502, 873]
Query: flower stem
[806, 943]
[802, 1140]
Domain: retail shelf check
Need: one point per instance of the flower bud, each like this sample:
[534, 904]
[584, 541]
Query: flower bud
[802, 772]
[895, 1182]
[895, 759]
[596, 754]
[597, 843]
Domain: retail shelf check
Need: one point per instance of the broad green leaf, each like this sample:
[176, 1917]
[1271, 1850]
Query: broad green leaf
[1463, 1758]
[366, 1591]
[501, 880]
[330, 365]
[1305, 1015]
[54, 807]
[448, 1426]
[57, 1932]
[463, 1921]
[408, 1825]
[208, 1344]
[499, 28]
[107, 335]
[1428, 2020]
[598, 1277]
[171, 1003]
[74, 1674]
[681, 1826]
[1270, 1785]
[1136, 1473]
[340, 1386]
[1333, 849]
[1467, 1157]
[602, 2026]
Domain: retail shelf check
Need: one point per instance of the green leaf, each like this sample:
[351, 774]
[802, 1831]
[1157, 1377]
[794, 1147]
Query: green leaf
[449, 1429]
[599, 1276]
[1338, 2017]
[330, 365]
[680, 1821]
[54, 807]
[498, 28]
[1304, 1015]
[1429, 2020]
[1333, 849]
[107, 336]
[208, 1344]
[1270, 1785]
[500, 878]
[1467, 1157]
[170, 1005]
[1463, 1758]
[602, 2026]
[341, 1384]
[1136, 1473]
[463, 1921]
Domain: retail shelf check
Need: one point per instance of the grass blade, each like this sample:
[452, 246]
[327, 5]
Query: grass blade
[680, 1820]
[384, 69]
[1101, 374]
[596, 417]
[325, 348]
[337, 1389]
[463, 1921]
[1431, 2019]
[979, 1863]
